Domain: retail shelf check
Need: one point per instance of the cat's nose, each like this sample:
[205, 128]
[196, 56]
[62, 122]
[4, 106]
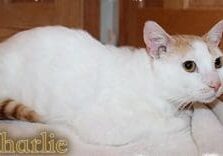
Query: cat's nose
[213, 80]
[215, 86]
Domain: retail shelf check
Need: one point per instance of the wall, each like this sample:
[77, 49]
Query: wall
[109, 21]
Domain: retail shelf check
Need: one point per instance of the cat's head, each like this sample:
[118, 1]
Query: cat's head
[187, 67]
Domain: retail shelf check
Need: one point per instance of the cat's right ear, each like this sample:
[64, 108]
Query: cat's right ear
[155, 38]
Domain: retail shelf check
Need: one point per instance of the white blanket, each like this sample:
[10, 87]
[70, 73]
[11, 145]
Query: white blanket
[204, 138]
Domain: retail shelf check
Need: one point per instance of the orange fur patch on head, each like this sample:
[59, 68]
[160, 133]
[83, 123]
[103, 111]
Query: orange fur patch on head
[183, 43]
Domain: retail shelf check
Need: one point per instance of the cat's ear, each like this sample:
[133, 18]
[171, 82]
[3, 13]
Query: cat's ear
[156, 39]
[215, 34]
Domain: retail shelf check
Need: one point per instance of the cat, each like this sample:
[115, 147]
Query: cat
[110, 95]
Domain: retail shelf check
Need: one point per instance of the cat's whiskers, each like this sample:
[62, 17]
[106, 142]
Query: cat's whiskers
[177, 100]
[180, 103]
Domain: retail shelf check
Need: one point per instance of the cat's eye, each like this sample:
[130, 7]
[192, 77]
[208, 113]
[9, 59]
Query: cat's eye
[189, 66]
[218, 62]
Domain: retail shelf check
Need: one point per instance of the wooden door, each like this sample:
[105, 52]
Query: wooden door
[175, 16]
[17, 15]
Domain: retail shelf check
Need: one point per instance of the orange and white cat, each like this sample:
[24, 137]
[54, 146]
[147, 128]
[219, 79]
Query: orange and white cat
[109, 95]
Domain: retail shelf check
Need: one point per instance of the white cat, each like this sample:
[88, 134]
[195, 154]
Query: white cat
[108, 95]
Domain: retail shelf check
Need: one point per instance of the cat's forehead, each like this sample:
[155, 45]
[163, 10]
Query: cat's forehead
[196, 46]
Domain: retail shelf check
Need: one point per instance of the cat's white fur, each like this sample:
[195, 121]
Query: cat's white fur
[108, 95]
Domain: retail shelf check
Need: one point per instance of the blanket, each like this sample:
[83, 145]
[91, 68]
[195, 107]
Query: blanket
[205, 137]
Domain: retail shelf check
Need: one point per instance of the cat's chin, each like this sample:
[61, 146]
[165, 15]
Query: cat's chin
[208, 99]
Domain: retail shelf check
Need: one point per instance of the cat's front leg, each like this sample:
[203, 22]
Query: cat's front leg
[217, 108]
[207, 131]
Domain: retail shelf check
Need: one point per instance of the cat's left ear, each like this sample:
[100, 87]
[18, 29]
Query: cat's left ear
[156, 39]
[215, 34]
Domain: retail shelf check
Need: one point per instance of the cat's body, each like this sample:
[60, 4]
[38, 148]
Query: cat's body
[83, 85]
[107, 95]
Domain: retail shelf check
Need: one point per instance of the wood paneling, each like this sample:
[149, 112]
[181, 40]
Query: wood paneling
[174, 21]
[176, 4]
[92, 17]
[181, 4]
[18, 15]
[69, 13]
[154, 3]
[208, 4]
